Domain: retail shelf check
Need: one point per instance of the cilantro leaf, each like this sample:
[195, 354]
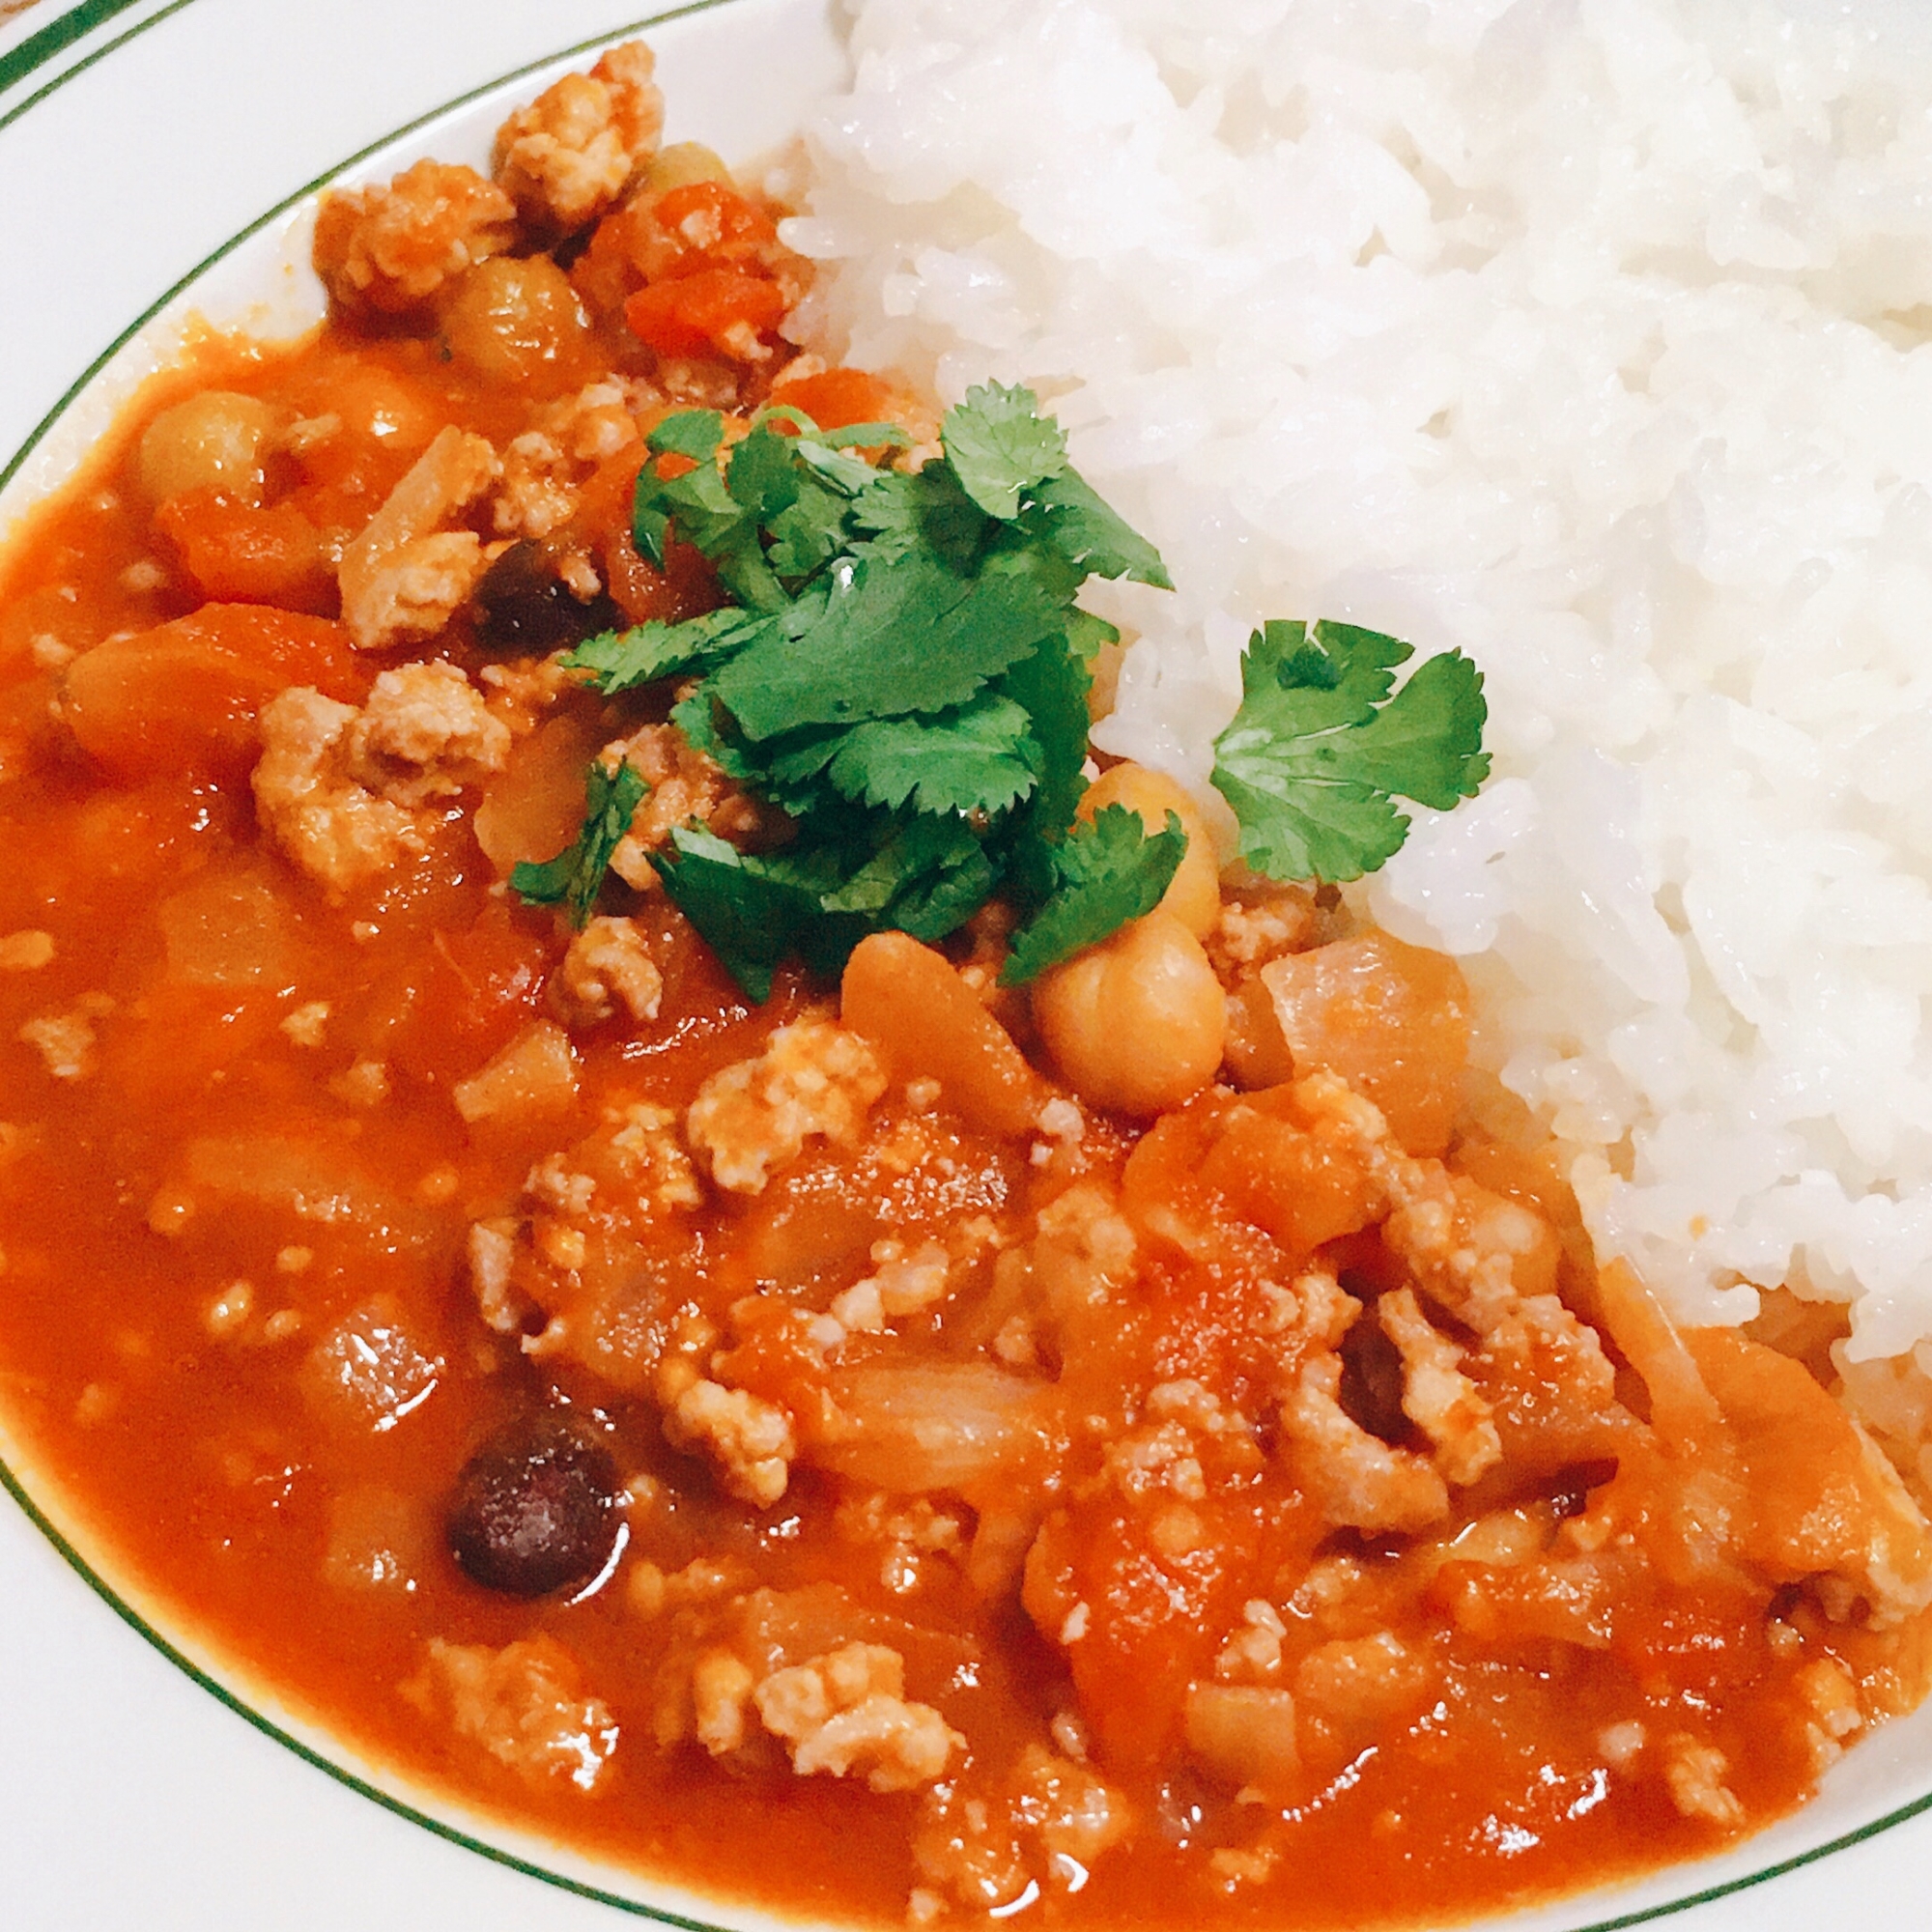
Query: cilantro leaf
[1051, 683]
[1068, 513]
[1300, 826]
[1319, 751]
[574, 878]
[693, 433]
[704, 511]
[851, 436]
[977, 757]
[1426, 742]
[906, 674]
[762, 475]
[909, 636]
[749, 910]
[809, 534]
[1000, 447]
[926, 510]
[915, 853]
[1087, 633]
[943, 897]
[926, 878]
[1110, 871]
[624, 660]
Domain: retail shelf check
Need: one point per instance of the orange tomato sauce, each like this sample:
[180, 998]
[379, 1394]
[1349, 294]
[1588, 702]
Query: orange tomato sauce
[1269, 1513]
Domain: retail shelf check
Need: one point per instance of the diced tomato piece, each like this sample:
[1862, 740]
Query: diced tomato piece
[721, 311]
[713, 220]
[186, 695]
[685, 231]
[835, 398]
[686, 588]
[1303, 1188]
[240, 554]
[476, 989]
[1154, 1614]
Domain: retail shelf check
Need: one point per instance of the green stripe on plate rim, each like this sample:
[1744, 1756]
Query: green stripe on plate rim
[57, 36]
[31, 53]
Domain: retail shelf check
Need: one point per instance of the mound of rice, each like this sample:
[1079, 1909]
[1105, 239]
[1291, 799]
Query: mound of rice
[1594, 338]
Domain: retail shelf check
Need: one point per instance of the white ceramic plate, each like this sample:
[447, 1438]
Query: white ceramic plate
[154, 157]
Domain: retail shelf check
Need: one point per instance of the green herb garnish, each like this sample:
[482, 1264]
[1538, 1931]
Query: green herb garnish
[1319, 751]
[574, 878]
[1108, 872]
[904, 671]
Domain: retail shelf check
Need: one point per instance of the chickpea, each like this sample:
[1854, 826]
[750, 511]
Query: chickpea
[519, 321]
[1194, 894]
[216, 440]
[1136, 1023]
[679, 165]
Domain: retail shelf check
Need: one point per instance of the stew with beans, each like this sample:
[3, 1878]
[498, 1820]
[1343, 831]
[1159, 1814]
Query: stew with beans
[1151, 1447]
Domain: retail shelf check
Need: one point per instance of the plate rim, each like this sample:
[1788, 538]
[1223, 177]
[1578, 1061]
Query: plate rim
[18, 63]
[40, 46]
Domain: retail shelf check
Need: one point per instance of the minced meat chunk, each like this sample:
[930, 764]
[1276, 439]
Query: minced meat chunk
[814, 1081]
[846, 1711]
[345, 792]
[1437, 1397]
[608, 965]
[425, 733]
[545, 468]
[390, 250]
[337, 831]
[570, 154]
[1693, 1774]
[64, 1042]
[751, 1440]
[685, 786]
[523, 1704]
[1358, 1479]
[408, 572]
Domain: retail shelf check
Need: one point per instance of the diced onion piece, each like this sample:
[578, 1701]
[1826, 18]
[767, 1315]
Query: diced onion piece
[533, 1078]
[925, 1019]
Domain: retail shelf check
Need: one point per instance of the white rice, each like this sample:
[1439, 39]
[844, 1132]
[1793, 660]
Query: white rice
[1591, 337]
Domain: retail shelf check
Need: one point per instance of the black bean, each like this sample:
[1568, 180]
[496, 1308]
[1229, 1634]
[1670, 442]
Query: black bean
[535, 1509]
[522, 606]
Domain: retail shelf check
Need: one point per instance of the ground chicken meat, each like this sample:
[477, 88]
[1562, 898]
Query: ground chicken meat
[523, 1704]
[335, 831]
[493, 1259]
[643, 1152]
[391, 250]
[685, 786]
[846, 1711]
[608, 965]
[1359, 1481]
[545, 467]
[64, 1042]
[1693, 1774]
[814, 1081]
[345, 792]
[1437, 1397]
[570, 154]
[425, 733]
[751, 1440]
[408, 573]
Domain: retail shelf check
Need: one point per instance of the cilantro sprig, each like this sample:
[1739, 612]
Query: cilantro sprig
[574, 878]
[1320, 750]
[904, 671]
